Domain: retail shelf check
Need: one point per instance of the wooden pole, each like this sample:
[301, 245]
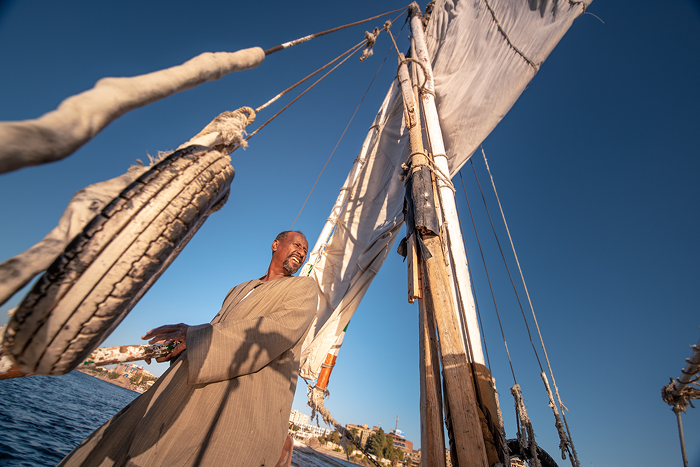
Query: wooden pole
[432, 434]
[470, 447]
[455, 257]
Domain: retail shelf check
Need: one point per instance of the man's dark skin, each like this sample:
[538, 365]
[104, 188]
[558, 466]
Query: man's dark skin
[288, 255]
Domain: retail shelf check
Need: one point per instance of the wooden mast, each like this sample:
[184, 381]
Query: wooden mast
[459, 386]
[455, 255]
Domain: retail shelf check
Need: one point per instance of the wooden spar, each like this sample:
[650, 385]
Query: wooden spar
[455, 257]
[99, 357]
[126, 353]
[457, 270]
[432, 434]
[460, 393]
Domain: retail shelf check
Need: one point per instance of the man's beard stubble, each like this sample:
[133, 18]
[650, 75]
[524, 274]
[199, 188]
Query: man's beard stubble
[290, 267]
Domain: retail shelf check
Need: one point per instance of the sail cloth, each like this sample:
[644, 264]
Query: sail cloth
[79, 118]
[17, 271]
[483, 54]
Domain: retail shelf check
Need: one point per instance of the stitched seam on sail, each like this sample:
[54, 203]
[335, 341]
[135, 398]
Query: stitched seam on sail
[503, 33]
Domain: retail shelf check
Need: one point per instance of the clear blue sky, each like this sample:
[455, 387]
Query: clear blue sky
[597, 167]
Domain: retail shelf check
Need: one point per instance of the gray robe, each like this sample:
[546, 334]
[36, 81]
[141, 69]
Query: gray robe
[227, 399]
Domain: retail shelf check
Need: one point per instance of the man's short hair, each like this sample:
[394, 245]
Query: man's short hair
[282, 235]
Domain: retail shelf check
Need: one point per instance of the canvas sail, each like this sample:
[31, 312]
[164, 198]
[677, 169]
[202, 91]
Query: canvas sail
[483, 54]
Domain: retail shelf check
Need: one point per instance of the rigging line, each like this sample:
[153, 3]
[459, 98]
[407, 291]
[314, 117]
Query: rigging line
[532, 309]
[339, 140]
[265, 105]
[357, 47]
[286, 45]
[381, 125]
[488, 277]
[343, 134]
[394, 41]
[527, 326]
[471, 279]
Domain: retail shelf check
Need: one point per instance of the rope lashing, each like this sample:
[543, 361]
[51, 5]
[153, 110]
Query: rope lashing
[526, 434]
[371, 38]
[439, 174]
[227, 130]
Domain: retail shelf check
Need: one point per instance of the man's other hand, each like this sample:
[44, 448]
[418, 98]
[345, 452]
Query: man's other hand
[166, 335]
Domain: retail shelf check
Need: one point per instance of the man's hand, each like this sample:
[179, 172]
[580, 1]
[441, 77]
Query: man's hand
[167, 335]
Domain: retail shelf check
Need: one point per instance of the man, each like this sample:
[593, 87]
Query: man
[226, 399]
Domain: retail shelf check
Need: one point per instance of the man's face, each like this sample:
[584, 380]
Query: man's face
[292, 251]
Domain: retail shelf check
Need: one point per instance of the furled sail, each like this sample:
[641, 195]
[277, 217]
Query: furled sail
[79, 118]
[483, 54]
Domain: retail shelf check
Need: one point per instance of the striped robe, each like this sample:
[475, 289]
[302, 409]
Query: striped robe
[227, 399]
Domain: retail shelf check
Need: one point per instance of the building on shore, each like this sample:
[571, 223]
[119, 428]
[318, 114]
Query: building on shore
[298, 418]
[129, 369]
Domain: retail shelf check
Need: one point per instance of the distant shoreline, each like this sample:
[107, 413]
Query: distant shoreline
[104, 377]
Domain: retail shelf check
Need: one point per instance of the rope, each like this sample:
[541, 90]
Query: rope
[439, 174]
[343, 134]
[227, 130]
[286, 45]
[354, 49]
[348, 53]
[517, 296]
[306, 78]
[574, 455]
[371, 38]
[503, 33]
[563, 439]
[421, 88]
[498, 315]
[316, 397]
[526, 434]
[471, 280]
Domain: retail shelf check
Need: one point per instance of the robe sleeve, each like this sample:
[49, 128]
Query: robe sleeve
[226, 350]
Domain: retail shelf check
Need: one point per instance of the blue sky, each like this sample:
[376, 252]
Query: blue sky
[596, 165]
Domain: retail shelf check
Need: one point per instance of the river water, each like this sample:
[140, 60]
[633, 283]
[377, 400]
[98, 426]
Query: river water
[42, 418]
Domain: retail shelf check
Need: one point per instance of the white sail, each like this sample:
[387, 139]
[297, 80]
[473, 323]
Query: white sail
[483, 55]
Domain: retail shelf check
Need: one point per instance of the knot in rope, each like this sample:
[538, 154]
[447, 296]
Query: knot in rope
[371, 38]
[387, 25]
